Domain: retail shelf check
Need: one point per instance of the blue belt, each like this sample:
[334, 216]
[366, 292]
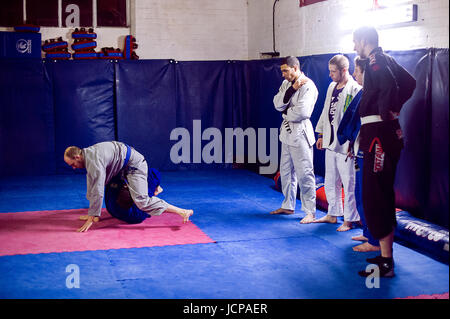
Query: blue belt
[127, 157]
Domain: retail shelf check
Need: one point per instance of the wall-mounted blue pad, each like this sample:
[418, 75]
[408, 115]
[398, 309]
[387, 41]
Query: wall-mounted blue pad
[146, 108]
[83, 95]
[26, 118]
[437, 210]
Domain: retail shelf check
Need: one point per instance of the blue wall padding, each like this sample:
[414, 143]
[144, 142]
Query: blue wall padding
[424, 119]
[437, 206]
[240, 94]
[204, 95]
[83, 96]
[429, 237]
[410, 188]
[140, 102]
[146, 108]
[26, 119]
[204, 92]
[259, 81]
[265, 78]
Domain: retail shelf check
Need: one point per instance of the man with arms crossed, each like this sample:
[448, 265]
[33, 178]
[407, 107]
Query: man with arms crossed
[296, 99]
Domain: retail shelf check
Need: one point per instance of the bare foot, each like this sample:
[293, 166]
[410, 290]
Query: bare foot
[282, 211]
[309, 218]
[85, 217]
[327, 219]
[345, 226]
[366, 247]
[360, 238]
[158, 190]
[186, 214]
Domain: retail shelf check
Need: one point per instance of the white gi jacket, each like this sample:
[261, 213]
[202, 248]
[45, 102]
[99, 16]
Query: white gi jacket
[324, 126]
[300, 108]
[103, 161]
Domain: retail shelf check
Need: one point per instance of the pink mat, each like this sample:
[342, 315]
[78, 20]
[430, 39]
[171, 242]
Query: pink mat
[55, 231]
[434, 296]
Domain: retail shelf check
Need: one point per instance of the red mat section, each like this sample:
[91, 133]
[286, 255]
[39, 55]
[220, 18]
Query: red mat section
[55, 231]
[434, 296]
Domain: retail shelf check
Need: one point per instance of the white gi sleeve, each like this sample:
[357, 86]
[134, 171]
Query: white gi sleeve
[319, 125]
[95, 188]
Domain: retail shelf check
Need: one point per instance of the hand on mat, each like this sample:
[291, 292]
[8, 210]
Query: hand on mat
[90, 220]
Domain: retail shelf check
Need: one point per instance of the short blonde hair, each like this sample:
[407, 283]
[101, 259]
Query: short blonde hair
[72, 151]
[340, 61]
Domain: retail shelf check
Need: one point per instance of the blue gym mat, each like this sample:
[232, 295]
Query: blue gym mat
[256, 255]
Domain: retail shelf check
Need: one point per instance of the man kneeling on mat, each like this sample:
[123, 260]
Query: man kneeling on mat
[106, 160]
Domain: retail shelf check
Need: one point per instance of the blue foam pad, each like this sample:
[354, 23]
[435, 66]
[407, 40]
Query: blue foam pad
[84, 55]
[84, 35]
[58, 192]
[54, 46]
[57, 55]
[37, 276]
[84, 45]
[257, 255]
[294, 267]
[426, 236]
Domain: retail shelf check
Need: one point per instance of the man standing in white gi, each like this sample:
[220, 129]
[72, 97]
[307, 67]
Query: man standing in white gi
[339, 170]
[105, 160]
[296, 99]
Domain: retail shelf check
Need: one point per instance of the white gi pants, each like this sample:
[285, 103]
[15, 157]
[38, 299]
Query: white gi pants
[338, 173]
[296, 168]
[136, 176]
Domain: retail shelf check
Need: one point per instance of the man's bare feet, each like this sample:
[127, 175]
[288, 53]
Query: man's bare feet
[366, 247]
[345, 226]
[85, 217]
[186, 214]
[309, 218]
[327, 219]
[360, 238]
[158, 190]
[282, 211]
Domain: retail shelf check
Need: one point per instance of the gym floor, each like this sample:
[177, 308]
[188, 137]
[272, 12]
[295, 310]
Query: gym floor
[243, 251]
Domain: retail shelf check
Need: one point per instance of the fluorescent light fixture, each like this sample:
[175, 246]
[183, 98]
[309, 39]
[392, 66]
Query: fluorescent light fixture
[383, 16]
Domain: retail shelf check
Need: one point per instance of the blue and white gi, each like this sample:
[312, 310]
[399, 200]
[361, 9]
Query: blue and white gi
[297, 140]
[349, 131]
[339, 171]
